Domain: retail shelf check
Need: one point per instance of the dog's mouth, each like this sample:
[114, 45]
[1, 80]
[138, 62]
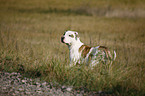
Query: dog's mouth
[62, 39]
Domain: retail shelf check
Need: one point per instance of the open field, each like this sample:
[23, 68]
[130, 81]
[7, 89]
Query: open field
[30, 42]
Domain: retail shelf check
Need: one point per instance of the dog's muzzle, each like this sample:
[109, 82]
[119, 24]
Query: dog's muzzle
[62, 38]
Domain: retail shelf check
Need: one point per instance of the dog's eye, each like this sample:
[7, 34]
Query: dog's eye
[71, 36]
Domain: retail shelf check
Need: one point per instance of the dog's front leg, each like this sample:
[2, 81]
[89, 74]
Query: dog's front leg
[73, 63]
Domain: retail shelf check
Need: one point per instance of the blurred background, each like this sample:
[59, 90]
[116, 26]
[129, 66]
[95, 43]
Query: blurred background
[30, 32]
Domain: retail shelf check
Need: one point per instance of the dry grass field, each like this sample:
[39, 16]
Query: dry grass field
[30, 34]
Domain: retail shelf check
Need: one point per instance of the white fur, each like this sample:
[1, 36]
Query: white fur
[73, 44]
[75, 55]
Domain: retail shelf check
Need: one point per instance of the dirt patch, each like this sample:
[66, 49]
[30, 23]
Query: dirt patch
[17, 85]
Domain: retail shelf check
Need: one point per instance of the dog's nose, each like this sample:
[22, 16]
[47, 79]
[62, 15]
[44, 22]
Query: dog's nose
[62, 39]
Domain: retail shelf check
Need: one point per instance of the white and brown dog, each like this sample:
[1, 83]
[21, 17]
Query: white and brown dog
[80, 53]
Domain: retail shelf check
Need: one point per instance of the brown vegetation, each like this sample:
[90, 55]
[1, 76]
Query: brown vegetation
[30, 34]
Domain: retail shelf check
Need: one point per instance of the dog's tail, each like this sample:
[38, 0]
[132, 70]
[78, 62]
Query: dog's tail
[113, 56]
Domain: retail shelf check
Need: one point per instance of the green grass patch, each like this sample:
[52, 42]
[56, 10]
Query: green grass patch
[30, 34]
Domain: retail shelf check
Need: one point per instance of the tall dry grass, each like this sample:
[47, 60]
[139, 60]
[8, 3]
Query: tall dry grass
[30, 44]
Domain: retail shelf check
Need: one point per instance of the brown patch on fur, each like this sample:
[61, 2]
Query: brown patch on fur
[84, 50]
[103, 47]
[81, 48]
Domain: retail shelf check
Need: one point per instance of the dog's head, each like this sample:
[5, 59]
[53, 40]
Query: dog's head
[69, 37]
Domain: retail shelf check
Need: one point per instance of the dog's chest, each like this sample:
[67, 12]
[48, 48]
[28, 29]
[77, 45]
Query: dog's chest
[74, 54]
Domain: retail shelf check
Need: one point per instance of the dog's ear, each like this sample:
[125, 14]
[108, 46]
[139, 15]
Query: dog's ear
[76, 33]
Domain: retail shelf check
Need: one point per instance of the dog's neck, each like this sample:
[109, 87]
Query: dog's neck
[74, 50]
[75, 45]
